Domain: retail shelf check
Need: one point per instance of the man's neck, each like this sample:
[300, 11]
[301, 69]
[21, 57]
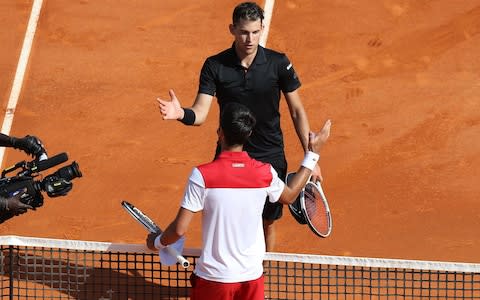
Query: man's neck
[235, 148]
[246, 60]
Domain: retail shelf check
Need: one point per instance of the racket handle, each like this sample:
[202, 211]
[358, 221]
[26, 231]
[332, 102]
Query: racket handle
[181, 260]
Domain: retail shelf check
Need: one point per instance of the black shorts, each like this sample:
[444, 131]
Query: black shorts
[273, 211]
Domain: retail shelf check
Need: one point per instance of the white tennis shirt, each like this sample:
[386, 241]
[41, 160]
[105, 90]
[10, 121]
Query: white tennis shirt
[231, 193]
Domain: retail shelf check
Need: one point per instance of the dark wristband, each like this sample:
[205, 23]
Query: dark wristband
[188, 116]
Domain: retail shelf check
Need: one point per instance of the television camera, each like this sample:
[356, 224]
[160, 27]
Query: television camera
[55, 185]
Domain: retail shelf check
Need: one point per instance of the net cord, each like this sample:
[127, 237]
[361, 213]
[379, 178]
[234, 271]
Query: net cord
[13, 240]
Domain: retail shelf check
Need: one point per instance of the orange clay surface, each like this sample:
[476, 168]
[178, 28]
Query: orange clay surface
[400, 80]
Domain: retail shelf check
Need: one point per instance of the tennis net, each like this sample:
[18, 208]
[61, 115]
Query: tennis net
[37, 268]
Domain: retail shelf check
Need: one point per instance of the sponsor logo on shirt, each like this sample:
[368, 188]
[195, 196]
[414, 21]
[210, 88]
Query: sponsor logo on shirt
[238, 165]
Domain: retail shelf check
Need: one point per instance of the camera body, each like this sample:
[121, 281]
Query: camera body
[55, 185]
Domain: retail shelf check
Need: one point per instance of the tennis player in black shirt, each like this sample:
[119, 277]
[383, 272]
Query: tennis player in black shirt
[255, 76]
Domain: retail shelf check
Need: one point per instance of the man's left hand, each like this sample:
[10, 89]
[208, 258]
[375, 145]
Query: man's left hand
[317, 174]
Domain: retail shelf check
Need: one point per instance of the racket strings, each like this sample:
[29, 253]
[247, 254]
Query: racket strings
[316, 211]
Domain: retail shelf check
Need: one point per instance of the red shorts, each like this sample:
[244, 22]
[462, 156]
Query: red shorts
[203, 289]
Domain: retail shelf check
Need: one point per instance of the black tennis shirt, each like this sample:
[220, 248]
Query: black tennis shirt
[259, 88]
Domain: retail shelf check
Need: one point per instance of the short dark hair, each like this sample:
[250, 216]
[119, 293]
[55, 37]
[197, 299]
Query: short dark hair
[237, 123]
[249, 11]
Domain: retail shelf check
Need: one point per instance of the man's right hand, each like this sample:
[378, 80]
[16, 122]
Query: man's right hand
[316, 140]
[150, 240]
[171, 110]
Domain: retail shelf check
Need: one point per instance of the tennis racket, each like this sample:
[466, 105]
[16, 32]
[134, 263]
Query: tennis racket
[316, 210]
[295, 208]
[151, 227]
[311, 207]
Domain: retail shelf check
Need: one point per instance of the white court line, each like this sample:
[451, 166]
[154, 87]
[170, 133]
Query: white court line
[20, 73]
[27, 46]
[267, 14]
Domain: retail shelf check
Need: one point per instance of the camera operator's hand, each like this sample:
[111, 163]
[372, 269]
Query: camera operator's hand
[14, 204]
[30, 144]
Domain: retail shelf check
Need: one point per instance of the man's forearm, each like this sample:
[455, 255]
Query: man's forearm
[299, 118]
[170, 235]
[177, 228]
[302, 128]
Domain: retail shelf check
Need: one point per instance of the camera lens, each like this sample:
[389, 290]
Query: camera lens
[69, 172]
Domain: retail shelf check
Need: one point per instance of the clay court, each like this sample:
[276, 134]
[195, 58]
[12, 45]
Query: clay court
[400, 80]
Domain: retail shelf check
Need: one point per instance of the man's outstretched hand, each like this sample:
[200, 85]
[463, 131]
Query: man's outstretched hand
[317, 140]
[170, 109]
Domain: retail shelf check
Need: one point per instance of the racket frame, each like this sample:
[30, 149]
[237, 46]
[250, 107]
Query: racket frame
[151, 227]
[295, 207]
[318, 187]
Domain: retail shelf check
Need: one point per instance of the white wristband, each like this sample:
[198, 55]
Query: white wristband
[310, 160]
[158, 244]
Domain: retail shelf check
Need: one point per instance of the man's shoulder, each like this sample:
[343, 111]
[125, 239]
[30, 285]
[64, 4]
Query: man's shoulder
[222, 56]
[270, 53]
[236, 173]
[222, 165]
[273, 57]
[218, 162]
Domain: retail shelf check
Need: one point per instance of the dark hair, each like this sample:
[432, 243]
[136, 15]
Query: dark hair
[237, 123]
[249, 11]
